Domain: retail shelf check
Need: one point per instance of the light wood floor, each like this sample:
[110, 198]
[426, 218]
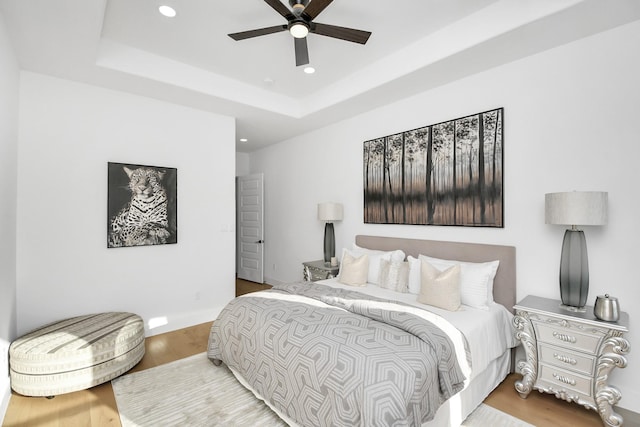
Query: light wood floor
[97, 407]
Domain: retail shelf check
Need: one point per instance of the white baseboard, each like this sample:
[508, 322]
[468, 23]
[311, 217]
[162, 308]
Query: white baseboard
[5, 394]
[5, 383]
[176, 321]
[630, 418]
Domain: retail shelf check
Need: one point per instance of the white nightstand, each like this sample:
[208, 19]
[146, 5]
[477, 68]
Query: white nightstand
[570, 354]
[319, 270]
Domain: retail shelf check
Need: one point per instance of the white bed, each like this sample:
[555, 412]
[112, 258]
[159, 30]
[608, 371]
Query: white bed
[492, 365]
[488, 330]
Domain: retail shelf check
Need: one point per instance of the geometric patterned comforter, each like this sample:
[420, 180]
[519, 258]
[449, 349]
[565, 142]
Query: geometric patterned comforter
[333, 357]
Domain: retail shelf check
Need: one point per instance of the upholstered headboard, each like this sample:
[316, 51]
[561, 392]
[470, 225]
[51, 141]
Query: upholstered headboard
[504, 284]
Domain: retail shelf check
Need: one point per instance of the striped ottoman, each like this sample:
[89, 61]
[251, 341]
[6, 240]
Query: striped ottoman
[75, 354]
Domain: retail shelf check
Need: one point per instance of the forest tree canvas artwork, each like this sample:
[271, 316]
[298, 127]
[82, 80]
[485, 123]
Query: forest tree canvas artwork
[449, 173]
[142, 205]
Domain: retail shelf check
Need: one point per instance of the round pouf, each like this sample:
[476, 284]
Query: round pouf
[75, 354]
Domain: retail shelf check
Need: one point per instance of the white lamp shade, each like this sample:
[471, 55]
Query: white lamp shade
[576, 208]
[330, 211]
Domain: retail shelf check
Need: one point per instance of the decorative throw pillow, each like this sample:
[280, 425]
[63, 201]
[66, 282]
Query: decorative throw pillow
[374, 259]
[353, 271]
[476, 279]
[394, 275]
[440, 288]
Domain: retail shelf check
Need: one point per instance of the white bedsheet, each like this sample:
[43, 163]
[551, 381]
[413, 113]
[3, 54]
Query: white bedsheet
[489, 332]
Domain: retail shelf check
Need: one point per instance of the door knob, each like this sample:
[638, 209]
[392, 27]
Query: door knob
[260, 241]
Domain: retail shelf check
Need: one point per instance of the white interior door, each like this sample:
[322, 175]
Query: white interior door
[250, 227]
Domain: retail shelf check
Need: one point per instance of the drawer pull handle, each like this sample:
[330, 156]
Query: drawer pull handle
[565, 338]
[565, 359]
[564, 379]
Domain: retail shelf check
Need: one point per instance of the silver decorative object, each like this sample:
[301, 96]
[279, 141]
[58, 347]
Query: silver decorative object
[606, 308]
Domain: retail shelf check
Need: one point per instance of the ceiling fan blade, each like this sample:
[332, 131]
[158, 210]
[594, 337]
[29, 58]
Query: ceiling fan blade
[259, 32]
[302, 51]
[281, 9]
[314, 8]
[348, 34]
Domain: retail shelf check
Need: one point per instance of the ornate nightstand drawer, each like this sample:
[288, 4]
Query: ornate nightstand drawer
[561, 379]
[567, 338]
[567, 359]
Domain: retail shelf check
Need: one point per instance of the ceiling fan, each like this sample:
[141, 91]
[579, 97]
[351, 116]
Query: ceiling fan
[300, 23]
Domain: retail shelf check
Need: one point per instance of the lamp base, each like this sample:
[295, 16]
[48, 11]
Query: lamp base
[573, 309]
[574, 270]
[329, 243]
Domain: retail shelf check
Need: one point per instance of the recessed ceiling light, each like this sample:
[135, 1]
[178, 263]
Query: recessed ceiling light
[167, 11]
[309, 70]
[243, 140]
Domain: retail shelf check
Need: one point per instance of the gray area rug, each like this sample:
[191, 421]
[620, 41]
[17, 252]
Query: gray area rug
[194, 392]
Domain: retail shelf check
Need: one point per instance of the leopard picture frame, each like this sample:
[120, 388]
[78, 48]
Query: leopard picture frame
[141, 205]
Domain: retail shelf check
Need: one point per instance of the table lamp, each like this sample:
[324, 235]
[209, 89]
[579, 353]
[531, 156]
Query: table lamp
[575, 208]
[329, 212]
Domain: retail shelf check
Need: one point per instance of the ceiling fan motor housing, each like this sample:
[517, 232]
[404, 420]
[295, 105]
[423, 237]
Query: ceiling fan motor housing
[298, 22]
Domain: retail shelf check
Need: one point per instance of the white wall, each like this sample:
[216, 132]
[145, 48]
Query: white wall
[9, 84]
[68, 133]
[571, 123]
[242, 164]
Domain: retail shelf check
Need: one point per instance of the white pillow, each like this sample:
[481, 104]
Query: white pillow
[353, 271]
[396, 255]
[374, 259]
[414, 275]
[394, 275]
[440, 288]
[476, 279]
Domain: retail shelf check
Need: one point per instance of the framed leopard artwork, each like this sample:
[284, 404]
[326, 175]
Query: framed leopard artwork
[142, 205]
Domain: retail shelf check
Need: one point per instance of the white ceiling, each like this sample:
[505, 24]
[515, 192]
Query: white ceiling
[416, 45]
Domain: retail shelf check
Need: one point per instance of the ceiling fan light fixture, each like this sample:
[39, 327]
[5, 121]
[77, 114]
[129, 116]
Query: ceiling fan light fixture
[299, 30]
